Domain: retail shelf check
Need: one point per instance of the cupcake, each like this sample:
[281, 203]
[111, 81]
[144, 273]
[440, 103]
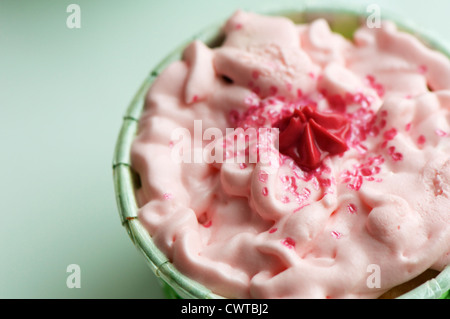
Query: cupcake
[289, 161]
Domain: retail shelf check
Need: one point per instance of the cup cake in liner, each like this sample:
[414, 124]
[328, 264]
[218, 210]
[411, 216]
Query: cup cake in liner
[297, 154]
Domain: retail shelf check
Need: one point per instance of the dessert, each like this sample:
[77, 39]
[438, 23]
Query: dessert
[291, 162]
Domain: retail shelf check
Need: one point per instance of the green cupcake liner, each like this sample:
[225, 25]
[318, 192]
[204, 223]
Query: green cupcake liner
[342, 19]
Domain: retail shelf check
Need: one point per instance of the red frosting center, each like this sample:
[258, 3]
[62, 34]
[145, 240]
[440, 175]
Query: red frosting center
[309, 136]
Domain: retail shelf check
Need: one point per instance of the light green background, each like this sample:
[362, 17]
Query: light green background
[62, 95]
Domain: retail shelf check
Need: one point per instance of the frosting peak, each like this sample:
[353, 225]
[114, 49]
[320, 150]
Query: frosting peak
[308, 136]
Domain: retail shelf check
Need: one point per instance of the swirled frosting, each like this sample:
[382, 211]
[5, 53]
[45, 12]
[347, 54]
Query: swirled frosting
[368, 190]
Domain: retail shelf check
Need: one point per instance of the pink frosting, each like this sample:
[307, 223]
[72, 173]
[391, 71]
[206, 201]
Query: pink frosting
[272, 229]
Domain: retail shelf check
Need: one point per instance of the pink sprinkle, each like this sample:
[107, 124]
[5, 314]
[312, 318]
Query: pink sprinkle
[194, 98]
[271, 231]
[256, 90]
[357, 183]
[374, 131]
[423, 69]
[384, 113]
[285, 199]
[441, 133]
[407, 127]
[312, 75]
[252, 101]
[255, 75]
[336, 234]
[273, 90]
[238, 26]
[285, 179]
[170, 144]
[378, 87]
[360, 98]
[167, 196]
[351, 208]
[303, 196]
[260, 120]
[390, 134]
[299, 93]
[421, 139]
[234, 116]
[263, 176]
[293, 185]
[324, 182]
[376, 160]
[366, 171]
[397, 157]
[265, 191]
[362, 149]
[289, 242]
[207, 224]
[391, 150]
[242, 166]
